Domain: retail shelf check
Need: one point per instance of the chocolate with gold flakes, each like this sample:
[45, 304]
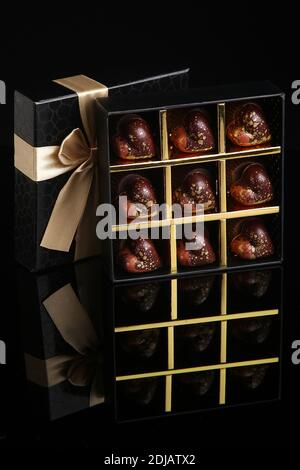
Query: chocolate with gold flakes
[249, 126]
[134, 139]
[196, 189]
[138, 256]
[195, 134]
[202, 254]
[252, 241]
[140, 196]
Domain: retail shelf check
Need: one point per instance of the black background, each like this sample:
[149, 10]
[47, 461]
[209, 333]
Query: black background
[51, 43]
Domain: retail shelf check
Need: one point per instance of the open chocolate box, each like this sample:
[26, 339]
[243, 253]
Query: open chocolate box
[222, 147]
[194, 343]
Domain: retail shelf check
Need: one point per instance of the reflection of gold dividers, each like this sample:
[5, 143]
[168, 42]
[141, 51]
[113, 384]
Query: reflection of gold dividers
[170, 325]
[194, 321]
[168, 395]
[228, 365]
[223, 353]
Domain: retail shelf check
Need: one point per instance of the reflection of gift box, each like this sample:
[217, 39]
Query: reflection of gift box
[166, 171]
[56, 178]
[61, 318]
[195, 343]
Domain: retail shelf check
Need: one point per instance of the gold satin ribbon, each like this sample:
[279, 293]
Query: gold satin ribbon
[75, 199]
[75, 326]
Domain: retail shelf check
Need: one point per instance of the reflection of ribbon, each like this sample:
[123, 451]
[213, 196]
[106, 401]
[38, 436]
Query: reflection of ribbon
[76, 203]
[81, 369]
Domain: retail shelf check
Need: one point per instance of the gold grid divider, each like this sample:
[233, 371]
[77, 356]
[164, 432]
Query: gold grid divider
[194, 321]
[194, 160]
[222, 184]
[221, 128]
[173, 257]
[222, 216]
[228, 365]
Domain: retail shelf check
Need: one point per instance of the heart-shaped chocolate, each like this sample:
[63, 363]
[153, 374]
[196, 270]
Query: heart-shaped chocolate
[253, 187]
[195, 189]
[249, 126]
[134, 139]
[195, 135]
[140, 197]
[138, 256]
[253, 240]
[202, 254]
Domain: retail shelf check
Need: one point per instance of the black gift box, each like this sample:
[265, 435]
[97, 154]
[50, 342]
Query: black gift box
[194, 343]
[51, 336]
[44, 115]
[168, 168]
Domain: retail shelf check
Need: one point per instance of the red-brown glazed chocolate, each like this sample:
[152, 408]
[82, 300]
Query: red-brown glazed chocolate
[249, 126]
[253, 187]
[134, 139]
[140, 196]
[195, 135]
[253, 241]
[138, 256]
[201, 256]
[196, 188]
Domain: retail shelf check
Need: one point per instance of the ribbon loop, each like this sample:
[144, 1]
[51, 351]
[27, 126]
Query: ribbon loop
[74, 149]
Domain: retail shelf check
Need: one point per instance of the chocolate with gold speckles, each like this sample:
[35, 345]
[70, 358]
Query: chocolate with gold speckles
[196, 189]
[140, 196]
[134, 139]
[138, 256]
[195, 135]
[202, 255]
[249, 126]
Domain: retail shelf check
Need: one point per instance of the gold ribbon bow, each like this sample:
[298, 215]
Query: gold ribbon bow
[72, 199]
[74, 212]
[84, 368]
